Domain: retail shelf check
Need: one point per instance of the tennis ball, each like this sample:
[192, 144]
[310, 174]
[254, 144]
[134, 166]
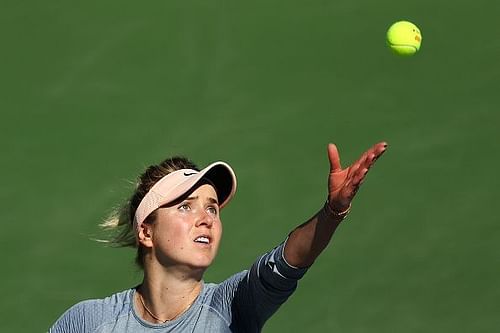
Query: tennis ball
[404, 38]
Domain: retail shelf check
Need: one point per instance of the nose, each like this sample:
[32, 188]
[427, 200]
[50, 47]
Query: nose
[204, 219]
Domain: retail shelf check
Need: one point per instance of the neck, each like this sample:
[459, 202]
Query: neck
[164, 297]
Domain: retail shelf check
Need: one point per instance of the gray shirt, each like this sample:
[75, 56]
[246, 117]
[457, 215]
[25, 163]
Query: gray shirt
[242, 303]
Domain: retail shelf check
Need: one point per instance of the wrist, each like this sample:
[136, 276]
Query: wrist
[334, 213]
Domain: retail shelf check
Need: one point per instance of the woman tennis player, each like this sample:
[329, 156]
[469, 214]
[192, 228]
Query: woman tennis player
[173, 219]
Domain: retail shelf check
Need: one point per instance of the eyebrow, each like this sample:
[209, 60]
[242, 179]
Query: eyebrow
[210, 199]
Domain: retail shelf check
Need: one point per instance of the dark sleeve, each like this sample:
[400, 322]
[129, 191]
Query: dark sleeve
[267, 285]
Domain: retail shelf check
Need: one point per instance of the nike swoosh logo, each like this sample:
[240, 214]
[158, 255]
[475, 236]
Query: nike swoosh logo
[189, 173]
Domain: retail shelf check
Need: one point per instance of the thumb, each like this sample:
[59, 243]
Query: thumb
[333, 156]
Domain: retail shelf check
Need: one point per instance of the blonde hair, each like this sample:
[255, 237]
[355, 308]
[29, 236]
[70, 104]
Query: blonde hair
[121, 221]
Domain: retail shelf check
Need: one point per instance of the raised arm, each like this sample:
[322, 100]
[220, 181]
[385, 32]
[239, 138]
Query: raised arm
[308, 240]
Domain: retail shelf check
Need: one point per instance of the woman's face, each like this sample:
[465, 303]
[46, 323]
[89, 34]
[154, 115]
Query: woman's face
[188, 233]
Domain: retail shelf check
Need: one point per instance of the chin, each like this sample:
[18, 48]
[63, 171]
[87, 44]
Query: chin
[202, 263]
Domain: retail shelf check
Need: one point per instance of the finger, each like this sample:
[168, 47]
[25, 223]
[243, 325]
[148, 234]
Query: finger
[373, 154]
[379, 149]
[353, 174]
[359, 177]
[333, 156]
[359, 163]
[367, 160]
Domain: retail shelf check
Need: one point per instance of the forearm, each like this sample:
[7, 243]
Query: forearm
[308, 240]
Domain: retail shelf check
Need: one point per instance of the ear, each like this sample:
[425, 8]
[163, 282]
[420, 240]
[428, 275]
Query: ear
[146, 235]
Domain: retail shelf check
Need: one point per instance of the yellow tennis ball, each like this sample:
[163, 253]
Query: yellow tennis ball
[404, 38]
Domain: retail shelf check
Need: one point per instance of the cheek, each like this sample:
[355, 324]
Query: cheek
[171, 235]
[218, 232]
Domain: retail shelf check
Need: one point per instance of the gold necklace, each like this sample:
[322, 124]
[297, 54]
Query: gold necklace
[158, 319]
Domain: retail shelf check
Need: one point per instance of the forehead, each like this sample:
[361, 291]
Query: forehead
[204, 190]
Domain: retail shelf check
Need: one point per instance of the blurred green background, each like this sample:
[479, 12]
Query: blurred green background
[93, 91]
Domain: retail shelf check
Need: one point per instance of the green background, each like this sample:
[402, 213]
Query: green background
[91, 92]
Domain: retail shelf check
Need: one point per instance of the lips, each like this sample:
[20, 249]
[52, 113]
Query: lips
[202, 239]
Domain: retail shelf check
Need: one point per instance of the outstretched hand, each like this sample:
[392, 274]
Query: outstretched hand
[344, 183]
[308, 240]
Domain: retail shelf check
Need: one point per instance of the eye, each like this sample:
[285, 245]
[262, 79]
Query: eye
[212, 210]
[184, 206]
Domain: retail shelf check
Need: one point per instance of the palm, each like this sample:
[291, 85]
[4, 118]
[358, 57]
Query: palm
[344, 183]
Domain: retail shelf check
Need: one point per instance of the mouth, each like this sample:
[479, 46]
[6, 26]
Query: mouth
[203, 239]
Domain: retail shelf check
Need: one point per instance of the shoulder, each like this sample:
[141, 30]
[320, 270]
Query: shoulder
[86, 316]
[227, 288]
[218, 297]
